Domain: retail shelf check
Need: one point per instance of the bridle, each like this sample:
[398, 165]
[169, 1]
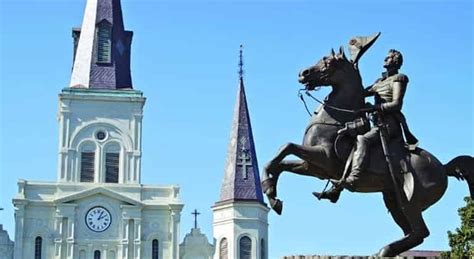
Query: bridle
[323, 103]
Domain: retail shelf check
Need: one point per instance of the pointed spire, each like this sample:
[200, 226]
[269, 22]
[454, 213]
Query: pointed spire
[241, 177]
[102, 48]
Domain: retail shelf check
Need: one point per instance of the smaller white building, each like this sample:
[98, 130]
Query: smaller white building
[6, 245]
[240, 215]
[196, 246]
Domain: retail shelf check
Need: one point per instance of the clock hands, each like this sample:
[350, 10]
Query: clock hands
[100, 216]
[98, 219]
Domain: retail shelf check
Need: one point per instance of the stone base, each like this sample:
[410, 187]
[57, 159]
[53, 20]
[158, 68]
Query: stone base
[357, 257]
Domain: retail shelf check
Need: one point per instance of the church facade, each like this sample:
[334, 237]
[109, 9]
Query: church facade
[98, 207]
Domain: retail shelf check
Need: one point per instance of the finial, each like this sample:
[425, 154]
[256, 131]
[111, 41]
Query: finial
[195, 213]
[241, 63]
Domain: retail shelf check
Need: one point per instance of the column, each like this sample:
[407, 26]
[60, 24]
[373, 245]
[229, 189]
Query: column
[70, 236]
[19, 225]
[104, 252]
[58, 240]
[137, 237]
[175, 219]
[125, 226]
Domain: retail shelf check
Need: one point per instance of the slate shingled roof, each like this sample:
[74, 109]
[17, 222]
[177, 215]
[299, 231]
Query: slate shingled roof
[241, 177]
[116, 74]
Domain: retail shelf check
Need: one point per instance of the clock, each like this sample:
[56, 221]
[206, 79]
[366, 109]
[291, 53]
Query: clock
[98, 219]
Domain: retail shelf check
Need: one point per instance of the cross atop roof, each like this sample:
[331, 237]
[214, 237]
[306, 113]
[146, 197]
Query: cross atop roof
[195, 213]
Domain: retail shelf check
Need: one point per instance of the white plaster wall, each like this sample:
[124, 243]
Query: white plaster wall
[42, 203]
[82, 112]
[196, 246]
[234, 220]
[6, 245]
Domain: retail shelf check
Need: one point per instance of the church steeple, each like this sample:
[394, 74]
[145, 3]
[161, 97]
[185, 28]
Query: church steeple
[102, 48]
[241, 216]
[241, 178]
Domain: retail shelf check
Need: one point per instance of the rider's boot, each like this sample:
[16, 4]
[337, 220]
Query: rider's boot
[332, 194]
[358, 163]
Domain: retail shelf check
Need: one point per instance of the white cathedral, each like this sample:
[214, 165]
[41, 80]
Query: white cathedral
[98, 208]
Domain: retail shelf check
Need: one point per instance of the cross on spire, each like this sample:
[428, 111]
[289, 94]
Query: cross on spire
[195, 213]
[241, 63]
[245, 159]
[241, 175]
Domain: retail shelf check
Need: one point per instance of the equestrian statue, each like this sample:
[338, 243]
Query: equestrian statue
[365, 147]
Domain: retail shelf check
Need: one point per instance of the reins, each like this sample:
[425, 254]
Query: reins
[323, 103]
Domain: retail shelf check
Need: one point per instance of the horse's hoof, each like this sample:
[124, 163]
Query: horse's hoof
[268, 187]
[268, 167]
[276, 205]
[386, 252]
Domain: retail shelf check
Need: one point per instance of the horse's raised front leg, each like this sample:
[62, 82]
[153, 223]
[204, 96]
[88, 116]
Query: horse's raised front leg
[310, 156]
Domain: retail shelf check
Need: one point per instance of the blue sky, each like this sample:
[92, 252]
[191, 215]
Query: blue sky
[184, 59]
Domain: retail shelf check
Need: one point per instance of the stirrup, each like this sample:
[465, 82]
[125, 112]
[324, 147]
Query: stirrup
[332, 195]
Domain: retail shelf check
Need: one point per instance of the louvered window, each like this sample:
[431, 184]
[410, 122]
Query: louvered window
[112, 167]
[97, 254]
[87, 166]
[38, 246]
[154, 249]
[104, 43]
[223, 250]
[245, 250]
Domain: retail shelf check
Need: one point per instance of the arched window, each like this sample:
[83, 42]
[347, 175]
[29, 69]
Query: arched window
[104, 42]
[38, 247]
[112, 162]
[154, 249]
[87, 162]
[262, 249]
[96, 254]
[223, 249]
[245, 249]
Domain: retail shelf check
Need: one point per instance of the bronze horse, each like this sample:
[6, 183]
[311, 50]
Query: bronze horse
[321, 158]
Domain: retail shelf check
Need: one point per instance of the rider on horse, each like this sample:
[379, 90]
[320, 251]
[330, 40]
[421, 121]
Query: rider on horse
[389, 91]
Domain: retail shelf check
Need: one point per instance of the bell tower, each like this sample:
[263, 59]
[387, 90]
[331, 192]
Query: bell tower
[100, 114]
[240, 215]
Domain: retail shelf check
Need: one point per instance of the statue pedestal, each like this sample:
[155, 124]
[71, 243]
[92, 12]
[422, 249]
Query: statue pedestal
[406, 255]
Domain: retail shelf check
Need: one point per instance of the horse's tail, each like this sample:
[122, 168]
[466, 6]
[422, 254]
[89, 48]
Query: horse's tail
[462, 167]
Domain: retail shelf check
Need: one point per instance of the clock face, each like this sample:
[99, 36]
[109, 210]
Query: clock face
[98, 219]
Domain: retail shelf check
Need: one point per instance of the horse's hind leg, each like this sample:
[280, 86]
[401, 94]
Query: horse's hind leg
[396, 212]
[418, 232]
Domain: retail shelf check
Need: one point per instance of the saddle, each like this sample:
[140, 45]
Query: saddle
[400, 153]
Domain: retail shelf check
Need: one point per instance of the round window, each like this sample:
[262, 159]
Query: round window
[100, 135]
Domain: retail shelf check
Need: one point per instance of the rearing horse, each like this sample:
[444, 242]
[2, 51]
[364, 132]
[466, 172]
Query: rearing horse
[320, 159]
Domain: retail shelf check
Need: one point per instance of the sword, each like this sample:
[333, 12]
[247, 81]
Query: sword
[384, 139]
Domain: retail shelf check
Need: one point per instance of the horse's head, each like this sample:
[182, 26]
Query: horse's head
[332, 70]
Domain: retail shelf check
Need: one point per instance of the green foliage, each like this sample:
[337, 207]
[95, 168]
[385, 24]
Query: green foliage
[462, 240]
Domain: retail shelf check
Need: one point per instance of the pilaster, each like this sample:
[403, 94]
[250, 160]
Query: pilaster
[19, 228]
[175, 220]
